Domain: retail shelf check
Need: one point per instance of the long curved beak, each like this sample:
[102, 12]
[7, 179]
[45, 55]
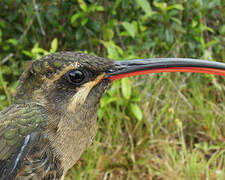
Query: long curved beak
[126, 68]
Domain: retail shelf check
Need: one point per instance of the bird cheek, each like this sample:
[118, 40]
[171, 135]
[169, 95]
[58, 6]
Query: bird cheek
[78, 99]
[84, 91]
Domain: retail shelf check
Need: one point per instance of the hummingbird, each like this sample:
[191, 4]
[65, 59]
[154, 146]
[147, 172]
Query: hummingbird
[53, 118]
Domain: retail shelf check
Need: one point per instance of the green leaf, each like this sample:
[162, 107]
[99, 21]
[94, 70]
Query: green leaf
[136, 110]
[83, 5]
[178, 21]
[175, 6]
[74, 18]
[54, 45]
[2, 97]
[126, 88]
[161, 5]
[12, 41]
[144, 4]
[84, 21]
[100, 8]
[211, 43]
[28, 53]
[95, 7]
[130, 28]
[113, 50]
[222, 30]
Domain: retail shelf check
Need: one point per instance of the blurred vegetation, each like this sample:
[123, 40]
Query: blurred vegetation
[161, 126]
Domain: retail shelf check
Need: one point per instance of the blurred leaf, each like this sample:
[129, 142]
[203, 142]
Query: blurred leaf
[210, 43]
[126, 88]
[107, 33]
[6, 70]
[100, 8]
[222, 29]
[161, 5]
[113, 50]
[136, 110]
[2, 24]
[2, 98]
[175, 6]
[83, 5]
[28, 53]
[54, 45]
[176, 20]
[144, 4]
[95, 7]
[130, 28]
[74, 18]
[12, 41]
[84, 21]
[107, 100]
[207, 55]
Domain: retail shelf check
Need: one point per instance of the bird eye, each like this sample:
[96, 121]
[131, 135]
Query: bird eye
[76, 76]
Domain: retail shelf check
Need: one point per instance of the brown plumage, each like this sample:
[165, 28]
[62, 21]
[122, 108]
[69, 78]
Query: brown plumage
[53, 118]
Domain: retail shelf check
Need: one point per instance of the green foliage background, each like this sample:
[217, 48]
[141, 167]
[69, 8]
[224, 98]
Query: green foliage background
[161, 126]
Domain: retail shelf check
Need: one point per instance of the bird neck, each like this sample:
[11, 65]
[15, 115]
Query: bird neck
[75, 131]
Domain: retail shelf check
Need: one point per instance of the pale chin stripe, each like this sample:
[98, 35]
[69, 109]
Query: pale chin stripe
[80, 97]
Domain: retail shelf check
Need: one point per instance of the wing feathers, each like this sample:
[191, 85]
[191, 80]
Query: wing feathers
[20, 126]
[26, 140]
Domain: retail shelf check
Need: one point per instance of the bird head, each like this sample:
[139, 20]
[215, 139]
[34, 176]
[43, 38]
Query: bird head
[69, 80]
[64, 80]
